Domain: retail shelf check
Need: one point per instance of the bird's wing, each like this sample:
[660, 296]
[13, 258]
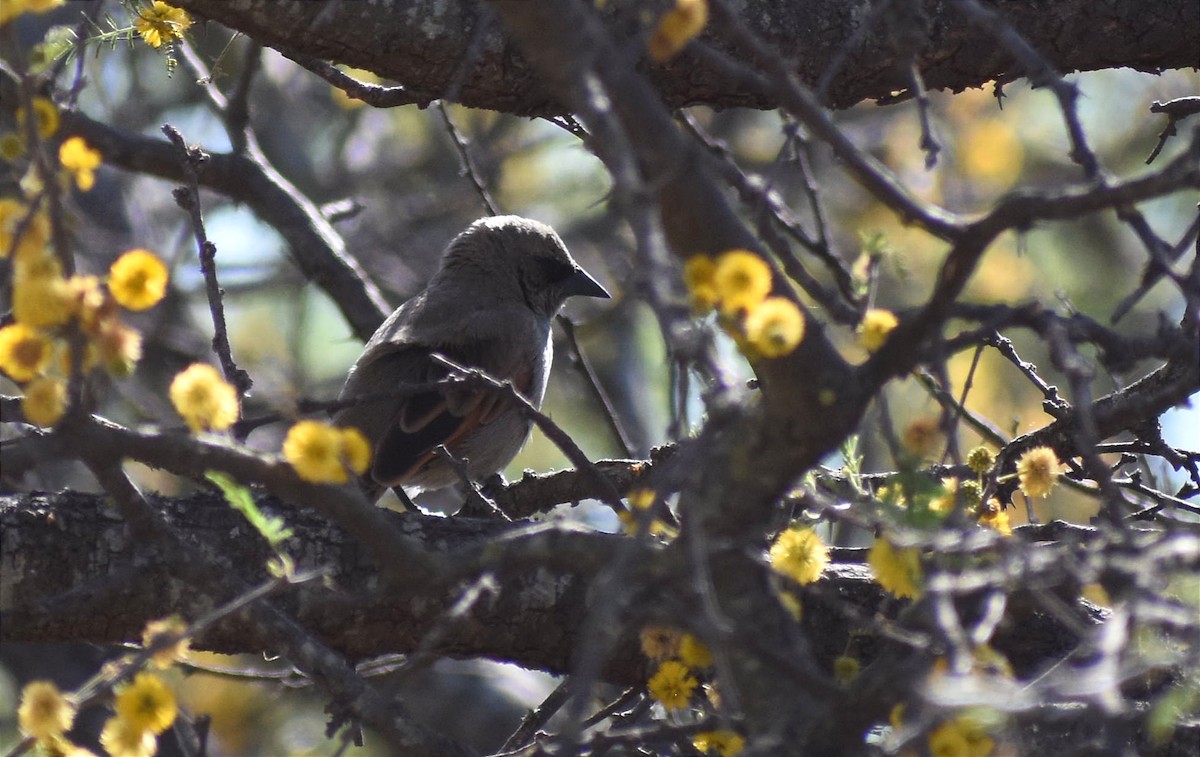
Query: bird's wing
[423, 421]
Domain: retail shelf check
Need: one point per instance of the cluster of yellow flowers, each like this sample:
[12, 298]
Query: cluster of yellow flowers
[144, 707]
[322, 453]
[678, 26]
[681, 657]
[875, 327]
[738, 282]
[35, 349]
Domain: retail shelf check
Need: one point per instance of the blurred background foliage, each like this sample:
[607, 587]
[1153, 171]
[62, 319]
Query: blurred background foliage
[400, 172]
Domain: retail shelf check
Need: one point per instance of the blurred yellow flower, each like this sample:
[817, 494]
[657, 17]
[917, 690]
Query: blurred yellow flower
[161, 23]
[146, 704]
[660, 642]
[922, 436]
[118, 346]
[722, 743]
[742, 280]
[45, 401]
[33, 232]
[960, 737]
[10, 9]
[898, 571]
[672, 685]
[845, 669]
[799, 554]
[1037, 471]
[205, 400]
[774, 327]
[992, 515]
[138, 280]
[168, 631]
[42, 301]
[24, 352]
[990, 150]
[694, 653]
[874, 328]
[80, 161]
[45, 117]
[120, 739]
[980, 460]
[698, 274]
[11, 148]
[678, 26]
[321, 453]
[44, 711]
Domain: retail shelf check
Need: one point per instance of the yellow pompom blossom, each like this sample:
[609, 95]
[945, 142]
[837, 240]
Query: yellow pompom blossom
[24, 352]
[1037, 471]
[45, 117]
[45, 401]
[898, 571]
[722, 743]
[161, 23]
[146, 704]
[138, 280]
[44, 711]
[845, 669]
[698, 275]
[321, 453]
[660, 642]
[992, 515]
[990, 150]
[694, 653]
[742, 280]
[672, 685]
[205, 400]
[980, 460]
[960, 737]
[874, 328]
[799, 554]
[678, 26]
[168, 631]
[80, 161]
[922, 437]
[120, 739]
[774, 327]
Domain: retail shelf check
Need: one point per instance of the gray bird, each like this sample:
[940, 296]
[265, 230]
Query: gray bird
[489, 306]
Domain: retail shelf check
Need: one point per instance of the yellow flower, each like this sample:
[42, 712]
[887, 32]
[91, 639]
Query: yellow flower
[922, 437]
[774, 327]
[45, 401]
[660, 642]
[11, 148]
[698, 274]
[321, 453]
[723, 743]
[874, 328]
[45, 117]
[742, 280]
[641, 499]
[672, 685]
[24, 352]
[898, 571]
[678, 26]
[694, 653]
[120, 739]
[146, 704]
[168, 631]
[80, 161]
[44, 711]
[206, 401]
[1037, 471]
[10, 9]
[117, 346]
[138, 280]
[34, 232]
[845, 669]
[980, 460]
[799, 554]
[161, 23]
[960, 737]
[42, 301]
[992, 515]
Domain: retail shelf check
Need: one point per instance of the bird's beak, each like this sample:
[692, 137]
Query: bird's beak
[583, 285]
